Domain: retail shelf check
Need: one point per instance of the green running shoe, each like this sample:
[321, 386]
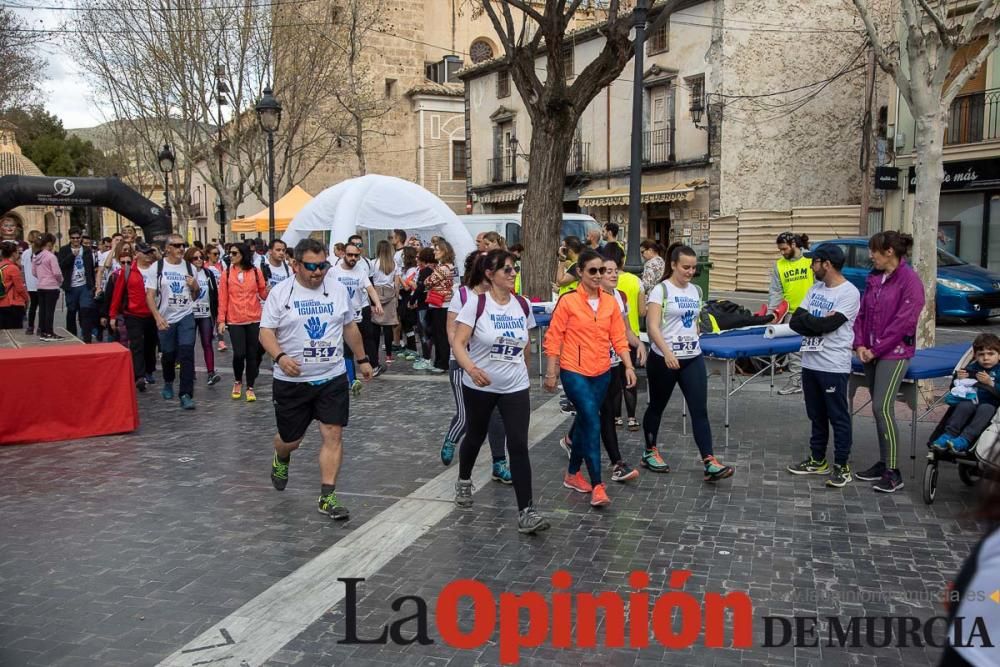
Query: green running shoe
[279, 472]
[651, 459]
[714, 471]
[330, 505]
[356, 388]
[841, 476]
[810, 467]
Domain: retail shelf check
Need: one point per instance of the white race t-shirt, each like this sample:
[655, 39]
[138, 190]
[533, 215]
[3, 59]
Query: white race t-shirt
[831, 353]
[201, 305]
[311, 329]
[175, 302]
[679, 323]
[497, 343]
[386, 279]
[30, 281]
[456, 305]
[356, 281]
[397, 258]
[78, 278]
[278, 273]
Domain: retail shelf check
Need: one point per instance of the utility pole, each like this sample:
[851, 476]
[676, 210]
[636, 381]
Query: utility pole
[220, 91]
[633, 261]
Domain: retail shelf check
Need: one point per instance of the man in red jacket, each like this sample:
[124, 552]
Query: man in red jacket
[129, 298]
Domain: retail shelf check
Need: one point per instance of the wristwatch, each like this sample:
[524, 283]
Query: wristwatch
[364, 360]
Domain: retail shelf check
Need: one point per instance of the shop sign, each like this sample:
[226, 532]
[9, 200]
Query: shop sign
[886, 178]
[966, 175]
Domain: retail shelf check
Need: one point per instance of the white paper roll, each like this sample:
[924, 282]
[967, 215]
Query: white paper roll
[778, 331]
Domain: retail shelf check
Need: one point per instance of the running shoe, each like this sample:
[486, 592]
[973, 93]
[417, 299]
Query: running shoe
[434, 369]
[633, 424]
[30, 331]
[331, 506]
[942, 444]
[356, 388]
[619, 422]
[237, 392]
[714, 471]
[150, 378]
[891, 482]
[566, 445]
[168, 391]
[651, 459]
[599, 496]
[794, 386]
[841, 476]
[872, 474]
[960, 445]
[378, 370]
[389, 359]
[567, 408]
[577, 482]
[140, 384]
[810, 467]
[780, 311]
[762, 311]
[501, 472]
[407, 355]
[279, 472]
[222, 346]
[422, 365]
[251, 395]
[214, 378]
[448, 451]
[530, 521]
[187, 403]
[463, 492]
[623, 472]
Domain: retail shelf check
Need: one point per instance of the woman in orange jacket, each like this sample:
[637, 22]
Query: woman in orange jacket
[241, 290]
[586, 324]
[15, 296]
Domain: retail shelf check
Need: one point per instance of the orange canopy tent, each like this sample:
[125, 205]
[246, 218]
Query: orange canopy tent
[284, 210]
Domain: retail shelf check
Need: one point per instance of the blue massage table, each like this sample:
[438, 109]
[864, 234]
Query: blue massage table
[928, 364]
[723, 349]
[542, 321]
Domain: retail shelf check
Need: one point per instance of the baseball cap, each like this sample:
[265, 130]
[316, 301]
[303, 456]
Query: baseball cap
[827, 252]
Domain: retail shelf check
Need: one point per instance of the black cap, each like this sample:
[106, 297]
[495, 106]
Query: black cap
[144, 248]
[827, 252]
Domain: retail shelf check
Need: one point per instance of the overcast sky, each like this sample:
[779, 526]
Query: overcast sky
[66, 93]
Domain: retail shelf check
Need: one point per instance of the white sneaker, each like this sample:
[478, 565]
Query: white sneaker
[794, 386]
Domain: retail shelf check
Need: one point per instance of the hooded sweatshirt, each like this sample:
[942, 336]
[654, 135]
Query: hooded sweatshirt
[887, 322]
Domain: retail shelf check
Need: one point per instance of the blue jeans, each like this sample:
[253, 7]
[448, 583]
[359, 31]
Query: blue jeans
[80, 302]
[587, 394]
[825, 395]
[177, 344]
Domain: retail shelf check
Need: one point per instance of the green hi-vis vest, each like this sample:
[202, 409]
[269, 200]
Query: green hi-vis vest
[796, 278]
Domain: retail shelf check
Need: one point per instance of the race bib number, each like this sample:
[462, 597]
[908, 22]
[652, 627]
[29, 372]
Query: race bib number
[507, 349]
[321, 352]
[179, 300]
[812, 344]
[201, 309]
[684, 346]
[615, 359]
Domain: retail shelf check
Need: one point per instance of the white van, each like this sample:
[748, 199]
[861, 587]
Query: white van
[508, 225]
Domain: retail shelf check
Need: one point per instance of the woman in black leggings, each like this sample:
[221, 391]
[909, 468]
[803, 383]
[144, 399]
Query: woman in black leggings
[240, 292]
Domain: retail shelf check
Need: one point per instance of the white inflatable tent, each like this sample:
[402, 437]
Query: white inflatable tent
[379, 202]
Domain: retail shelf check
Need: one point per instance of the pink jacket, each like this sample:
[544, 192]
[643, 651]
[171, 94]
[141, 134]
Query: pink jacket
[45, 266]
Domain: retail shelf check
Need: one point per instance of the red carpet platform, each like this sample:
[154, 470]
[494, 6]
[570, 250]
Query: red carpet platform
[55, 391]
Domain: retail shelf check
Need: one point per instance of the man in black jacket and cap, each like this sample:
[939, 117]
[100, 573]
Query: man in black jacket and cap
[77, 264]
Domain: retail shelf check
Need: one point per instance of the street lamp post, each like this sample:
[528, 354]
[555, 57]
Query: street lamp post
[166, 159]
[269, 115]
[633, 260]
[59, 212]
[221, 89]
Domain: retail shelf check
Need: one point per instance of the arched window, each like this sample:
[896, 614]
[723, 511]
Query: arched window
[480, 51]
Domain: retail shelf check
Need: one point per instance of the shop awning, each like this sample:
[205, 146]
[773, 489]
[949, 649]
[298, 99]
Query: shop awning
[651, 194]
[284, 210]
[501, 196]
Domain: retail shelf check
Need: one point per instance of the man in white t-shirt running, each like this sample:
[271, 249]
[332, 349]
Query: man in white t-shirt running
[825, 319]
[306, 324]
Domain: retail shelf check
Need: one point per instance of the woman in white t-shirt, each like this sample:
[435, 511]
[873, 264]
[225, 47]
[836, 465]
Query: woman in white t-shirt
[206, 308]
[491, 346]
[386, 281]
[672, 324]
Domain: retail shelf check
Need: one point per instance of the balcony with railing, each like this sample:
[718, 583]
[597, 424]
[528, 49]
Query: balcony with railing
[502, 169]
[656, 147]
[579, 158]
[974, 118]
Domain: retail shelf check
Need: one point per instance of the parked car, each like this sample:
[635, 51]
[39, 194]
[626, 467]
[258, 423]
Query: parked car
[963, 290]
[508, 225]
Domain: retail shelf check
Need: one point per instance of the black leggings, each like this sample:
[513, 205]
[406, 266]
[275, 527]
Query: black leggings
[244, 339]
[32, 308]
[47, 300]
[693, 379]
[387, 338]
[515, 410]
[142, 341]
[631, 396]
[439, 330]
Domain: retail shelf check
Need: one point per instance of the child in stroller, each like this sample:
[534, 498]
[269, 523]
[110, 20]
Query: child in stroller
[975, 398]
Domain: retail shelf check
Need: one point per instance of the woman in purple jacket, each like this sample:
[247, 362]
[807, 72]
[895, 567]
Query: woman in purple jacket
[885, 341]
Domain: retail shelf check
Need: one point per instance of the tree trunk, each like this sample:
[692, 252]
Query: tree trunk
[541, 217]
[930, 174]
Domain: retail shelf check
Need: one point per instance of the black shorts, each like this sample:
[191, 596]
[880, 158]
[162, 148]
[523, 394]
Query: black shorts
[297, 404]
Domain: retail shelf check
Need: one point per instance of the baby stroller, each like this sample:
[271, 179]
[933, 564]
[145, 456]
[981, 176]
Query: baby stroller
[982, 459]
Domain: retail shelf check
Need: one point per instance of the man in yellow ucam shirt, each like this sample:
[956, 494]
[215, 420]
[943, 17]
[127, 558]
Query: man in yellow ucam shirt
[791, 278]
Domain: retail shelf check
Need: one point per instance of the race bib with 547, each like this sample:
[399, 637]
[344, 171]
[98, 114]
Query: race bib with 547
[508, 349]
[684, 346]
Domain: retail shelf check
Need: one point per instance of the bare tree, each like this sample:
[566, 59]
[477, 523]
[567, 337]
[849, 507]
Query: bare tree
[22, 68]
[532, 30]
[925, 70]
[157, 63]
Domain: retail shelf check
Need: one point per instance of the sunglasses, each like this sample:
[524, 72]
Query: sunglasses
[176, 245]
[124, 262]
[509, 270]
[316, 266]
[234, 253]
[75, 238]
[592, 271]
[353, 254]
[214, 253]
[197, 258]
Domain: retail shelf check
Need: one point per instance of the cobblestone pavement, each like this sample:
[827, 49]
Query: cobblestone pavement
[122, 550]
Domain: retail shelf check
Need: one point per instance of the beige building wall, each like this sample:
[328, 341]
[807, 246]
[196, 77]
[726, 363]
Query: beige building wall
[441, 123]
